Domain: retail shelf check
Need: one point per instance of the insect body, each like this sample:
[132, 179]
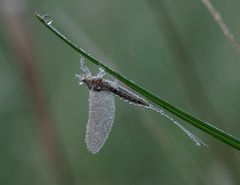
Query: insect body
[102, 107]
[97, 83]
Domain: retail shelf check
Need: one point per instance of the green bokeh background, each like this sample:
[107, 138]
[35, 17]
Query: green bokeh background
[143, 147]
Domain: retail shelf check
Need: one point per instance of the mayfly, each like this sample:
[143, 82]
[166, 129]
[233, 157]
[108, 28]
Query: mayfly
[102, 107]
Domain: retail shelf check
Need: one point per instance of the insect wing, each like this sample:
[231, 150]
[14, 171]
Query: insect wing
[100, 120]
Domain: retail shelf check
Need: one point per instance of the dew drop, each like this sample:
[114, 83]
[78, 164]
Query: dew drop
[47, 19]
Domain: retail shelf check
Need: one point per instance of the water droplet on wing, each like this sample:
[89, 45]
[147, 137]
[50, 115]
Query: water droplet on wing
[100, 120]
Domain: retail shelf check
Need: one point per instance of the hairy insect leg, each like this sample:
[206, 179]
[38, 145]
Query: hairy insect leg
[84, 68]
[79, 77]
[86, 72]
[101, 72]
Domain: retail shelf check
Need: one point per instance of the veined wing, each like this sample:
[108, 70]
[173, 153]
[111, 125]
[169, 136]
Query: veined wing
[100, 120]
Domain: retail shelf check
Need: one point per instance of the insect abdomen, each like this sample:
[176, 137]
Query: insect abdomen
[127, 95]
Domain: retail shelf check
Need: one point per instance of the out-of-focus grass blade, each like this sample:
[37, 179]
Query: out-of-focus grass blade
[211, 130]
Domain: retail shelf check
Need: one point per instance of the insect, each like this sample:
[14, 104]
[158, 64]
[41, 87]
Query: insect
[102, 107]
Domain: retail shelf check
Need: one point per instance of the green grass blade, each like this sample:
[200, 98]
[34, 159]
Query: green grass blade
[211, 130]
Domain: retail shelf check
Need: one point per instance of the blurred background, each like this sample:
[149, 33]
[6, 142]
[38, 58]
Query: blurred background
[172, 48]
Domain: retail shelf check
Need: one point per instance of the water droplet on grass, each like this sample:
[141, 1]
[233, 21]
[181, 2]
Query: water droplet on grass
[47, 19]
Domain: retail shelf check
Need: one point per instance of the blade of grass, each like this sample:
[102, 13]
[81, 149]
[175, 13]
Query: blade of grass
[222, 25]
[206, 127]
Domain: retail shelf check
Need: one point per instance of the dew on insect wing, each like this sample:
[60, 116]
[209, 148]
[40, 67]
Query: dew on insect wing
[47, 19]
[101, 116]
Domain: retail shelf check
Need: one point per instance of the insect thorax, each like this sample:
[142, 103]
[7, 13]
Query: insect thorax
[94, 83]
